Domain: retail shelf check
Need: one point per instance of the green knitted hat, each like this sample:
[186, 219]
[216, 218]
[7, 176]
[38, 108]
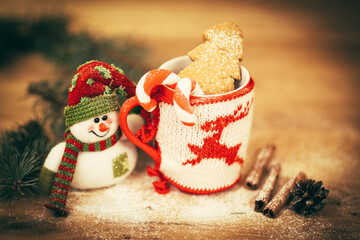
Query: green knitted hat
[94, 90]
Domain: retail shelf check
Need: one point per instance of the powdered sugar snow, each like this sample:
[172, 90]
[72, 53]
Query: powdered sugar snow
[135, 200]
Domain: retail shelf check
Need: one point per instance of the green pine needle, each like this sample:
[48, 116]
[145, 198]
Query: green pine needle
[52, 92]
[18, 175]
[52, 97]
[22, 154]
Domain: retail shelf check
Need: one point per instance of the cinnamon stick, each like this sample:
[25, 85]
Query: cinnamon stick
[275, 205]
[253, 179]
[268, 187]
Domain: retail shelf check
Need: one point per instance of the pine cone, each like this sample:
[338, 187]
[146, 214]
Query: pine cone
[308, 197]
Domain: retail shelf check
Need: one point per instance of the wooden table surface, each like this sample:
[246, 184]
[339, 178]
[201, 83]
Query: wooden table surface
[304, 59]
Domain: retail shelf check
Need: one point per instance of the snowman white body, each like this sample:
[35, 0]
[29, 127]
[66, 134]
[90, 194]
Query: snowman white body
[96, 169]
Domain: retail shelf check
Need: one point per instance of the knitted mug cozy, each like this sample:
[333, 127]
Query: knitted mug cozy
[206, 157]
[94, 90]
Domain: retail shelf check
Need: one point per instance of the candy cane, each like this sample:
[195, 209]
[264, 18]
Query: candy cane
[181, 100]
[149, 81]
[183, 89]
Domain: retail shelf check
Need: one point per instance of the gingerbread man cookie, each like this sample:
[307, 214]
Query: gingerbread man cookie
[216, 61]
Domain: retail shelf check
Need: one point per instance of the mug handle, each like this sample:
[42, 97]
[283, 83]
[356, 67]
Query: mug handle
[124, 111]
[161, 185]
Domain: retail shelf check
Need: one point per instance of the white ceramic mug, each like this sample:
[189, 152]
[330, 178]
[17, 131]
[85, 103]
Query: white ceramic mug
[208, 156]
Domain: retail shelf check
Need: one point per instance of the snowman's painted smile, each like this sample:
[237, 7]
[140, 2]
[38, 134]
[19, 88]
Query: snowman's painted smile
[100, 135]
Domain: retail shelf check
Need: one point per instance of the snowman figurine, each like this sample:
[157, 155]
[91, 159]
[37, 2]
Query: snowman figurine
[95, 153]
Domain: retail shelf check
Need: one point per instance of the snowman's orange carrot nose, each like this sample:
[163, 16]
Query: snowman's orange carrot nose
[103, 127]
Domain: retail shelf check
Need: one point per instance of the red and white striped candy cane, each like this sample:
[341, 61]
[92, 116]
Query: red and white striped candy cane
[182, 92]
[183, 89]
[150, 80]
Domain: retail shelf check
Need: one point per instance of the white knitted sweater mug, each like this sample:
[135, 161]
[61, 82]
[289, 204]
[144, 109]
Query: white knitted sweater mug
[208, 156]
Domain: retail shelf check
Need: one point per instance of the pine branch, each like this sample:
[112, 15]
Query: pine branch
[18, 175]
[25, 135]
[22, 153]
[54, 93]
[52, 97]
[50, 35]
[82, 47]
[21, 35]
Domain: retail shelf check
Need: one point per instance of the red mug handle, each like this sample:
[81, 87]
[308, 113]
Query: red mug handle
[124, 111]
[160, 186]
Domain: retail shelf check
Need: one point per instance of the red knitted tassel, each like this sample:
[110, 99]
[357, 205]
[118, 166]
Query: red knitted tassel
[160, 186]
[148, 131]
[152, 172]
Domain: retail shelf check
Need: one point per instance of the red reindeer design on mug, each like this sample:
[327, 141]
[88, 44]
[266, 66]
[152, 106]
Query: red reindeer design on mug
[212, 148]
[203, 157]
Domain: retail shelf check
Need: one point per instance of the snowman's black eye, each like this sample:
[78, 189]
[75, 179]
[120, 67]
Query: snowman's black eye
[96, 120]
[104, 118]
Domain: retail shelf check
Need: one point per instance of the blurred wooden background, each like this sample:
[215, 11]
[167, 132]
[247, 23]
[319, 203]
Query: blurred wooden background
[303, 56]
